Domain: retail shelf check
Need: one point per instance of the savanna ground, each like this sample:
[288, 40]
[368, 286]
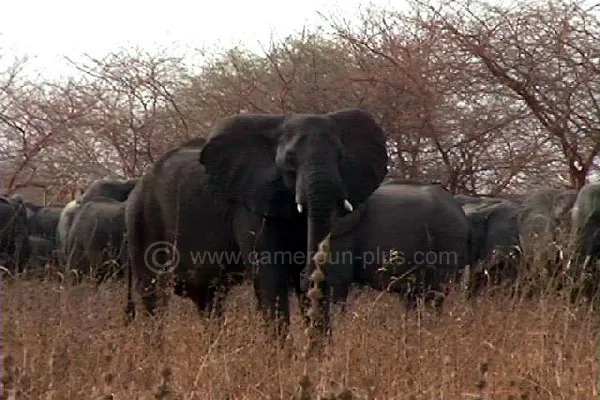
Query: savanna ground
[61, 342]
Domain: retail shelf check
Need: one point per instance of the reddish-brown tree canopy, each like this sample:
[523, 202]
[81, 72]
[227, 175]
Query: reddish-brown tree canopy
[487, 100]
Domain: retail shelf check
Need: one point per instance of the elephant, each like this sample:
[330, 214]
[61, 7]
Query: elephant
[171, 211]
[44, 223]
[544, 226]
[32, 209]
[114, 189]
[14, 243]
[544, 214]
[266, 187]
[584, 241]
[65, 221]
[408, 237]
[495, 246]
[41, 252]
[506, 232]
[95, 241]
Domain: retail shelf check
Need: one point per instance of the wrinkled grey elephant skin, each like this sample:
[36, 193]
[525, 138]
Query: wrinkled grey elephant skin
[14, 242]
[95, 242]
[271, 184]
[584, 241]
[422, 223]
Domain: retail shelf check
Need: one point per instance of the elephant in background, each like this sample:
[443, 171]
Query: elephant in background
[30, 207]
[65, 221]
[545, 215]
[44, 222]
[14, 241]
[111, 188]
[508, 234]
[407, 237]
[584, 241]
[95, 241]
[267, 185]
[495, 246]
[41, 252]
[469, 203]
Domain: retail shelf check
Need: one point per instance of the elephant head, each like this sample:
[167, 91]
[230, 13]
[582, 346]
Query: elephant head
[287, 166]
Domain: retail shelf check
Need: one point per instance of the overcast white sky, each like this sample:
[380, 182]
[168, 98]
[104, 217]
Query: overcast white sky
[47, 30]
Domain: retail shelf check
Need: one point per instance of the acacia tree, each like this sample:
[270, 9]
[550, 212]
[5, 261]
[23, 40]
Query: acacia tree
[34, 117]
[308, 72]
[486, 100]
[135, 116]
[446, 122]
[547, 56]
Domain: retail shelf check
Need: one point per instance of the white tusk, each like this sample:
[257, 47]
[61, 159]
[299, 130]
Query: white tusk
[586, 262]
[299, 206]
[348, 206]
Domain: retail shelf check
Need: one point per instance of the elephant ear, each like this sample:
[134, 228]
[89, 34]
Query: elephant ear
[365, 161]
[239, 158]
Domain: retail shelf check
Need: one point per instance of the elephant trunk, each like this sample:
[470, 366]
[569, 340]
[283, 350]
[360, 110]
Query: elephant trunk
[324, 197]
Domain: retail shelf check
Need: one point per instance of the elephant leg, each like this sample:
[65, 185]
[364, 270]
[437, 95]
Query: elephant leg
[153, 293]
[152, 281]
[209, 298]
[267, 253]
[204, 296]
[274, 297]
[75, 260]
[427, 287]
[303, 300]
[590, 276]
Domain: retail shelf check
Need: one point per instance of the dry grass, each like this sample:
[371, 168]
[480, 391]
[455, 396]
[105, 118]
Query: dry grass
[71, 343]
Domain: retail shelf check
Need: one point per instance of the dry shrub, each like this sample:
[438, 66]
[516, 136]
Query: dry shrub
[71, 343]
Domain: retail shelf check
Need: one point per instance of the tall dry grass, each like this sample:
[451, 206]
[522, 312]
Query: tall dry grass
[71, 343]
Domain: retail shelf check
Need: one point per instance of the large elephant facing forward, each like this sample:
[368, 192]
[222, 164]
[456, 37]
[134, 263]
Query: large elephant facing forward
[267, 184]
[408, 237]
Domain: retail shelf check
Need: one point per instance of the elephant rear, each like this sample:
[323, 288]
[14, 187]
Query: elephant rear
[418, 230]
[96, 236]
[175, 226]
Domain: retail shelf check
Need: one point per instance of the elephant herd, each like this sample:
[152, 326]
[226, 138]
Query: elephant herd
[83, 235]
[256, 198]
